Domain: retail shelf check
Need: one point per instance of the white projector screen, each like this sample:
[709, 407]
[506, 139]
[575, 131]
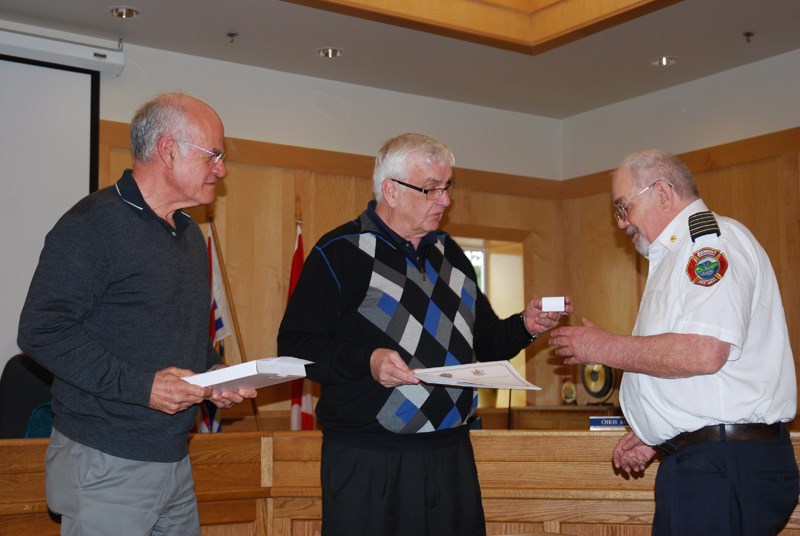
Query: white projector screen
[49, 119]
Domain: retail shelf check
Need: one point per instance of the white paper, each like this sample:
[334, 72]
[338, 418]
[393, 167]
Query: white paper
[252, 374]
[492, 374]
[553, 304]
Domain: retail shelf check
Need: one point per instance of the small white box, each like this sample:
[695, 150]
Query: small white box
[553, 304]
[252, 374]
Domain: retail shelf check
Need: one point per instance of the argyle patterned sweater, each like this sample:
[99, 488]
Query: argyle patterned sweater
[360, 290]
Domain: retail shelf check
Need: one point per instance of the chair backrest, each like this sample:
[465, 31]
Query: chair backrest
[24, 386]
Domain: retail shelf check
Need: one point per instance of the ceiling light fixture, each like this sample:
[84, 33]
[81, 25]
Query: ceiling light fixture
[124, 12]
[664, 61]
[330, 52]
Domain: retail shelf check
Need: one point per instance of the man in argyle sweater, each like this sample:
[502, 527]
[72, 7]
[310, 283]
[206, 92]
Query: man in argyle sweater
[378, 297]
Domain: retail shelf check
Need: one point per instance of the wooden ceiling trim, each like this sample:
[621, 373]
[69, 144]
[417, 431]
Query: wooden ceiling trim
[469, 20]
[565, 21]
[527, 26]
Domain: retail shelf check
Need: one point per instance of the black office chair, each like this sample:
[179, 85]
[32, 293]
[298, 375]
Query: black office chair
[24, 387]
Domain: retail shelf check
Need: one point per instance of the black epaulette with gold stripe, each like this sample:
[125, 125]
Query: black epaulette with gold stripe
[703, 223]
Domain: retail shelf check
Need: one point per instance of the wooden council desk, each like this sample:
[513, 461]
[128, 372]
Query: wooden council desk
[267, 483]
[565, 417]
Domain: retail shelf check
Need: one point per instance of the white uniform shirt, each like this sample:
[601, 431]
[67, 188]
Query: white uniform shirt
[742, 306]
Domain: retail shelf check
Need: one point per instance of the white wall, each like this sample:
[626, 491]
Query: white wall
[278, 107]
[752, 100]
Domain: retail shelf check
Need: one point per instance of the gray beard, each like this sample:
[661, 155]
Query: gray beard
[639, 242]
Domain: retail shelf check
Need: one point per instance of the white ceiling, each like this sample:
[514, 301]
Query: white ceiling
[601, 69]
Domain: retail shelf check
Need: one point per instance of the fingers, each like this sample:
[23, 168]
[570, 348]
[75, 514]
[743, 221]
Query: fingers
[389, 369]
[561, 341]
[631, 455]
[170, 394]
[230, 398]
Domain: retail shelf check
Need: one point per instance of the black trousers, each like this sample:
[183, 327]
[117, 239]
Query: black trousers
[404, 493]
[731, 488]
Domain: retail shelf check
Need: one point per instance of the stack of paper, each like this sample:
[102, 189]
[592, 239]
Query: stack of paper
[252, 374]
[492, 374]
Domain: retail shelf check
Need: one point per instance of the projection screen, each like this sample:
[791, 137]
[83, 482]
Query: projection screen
[49, 119]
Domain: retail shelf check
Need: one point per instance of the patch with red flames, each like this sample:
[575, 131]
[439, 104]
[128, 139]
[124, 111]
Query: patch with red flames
[706, 267]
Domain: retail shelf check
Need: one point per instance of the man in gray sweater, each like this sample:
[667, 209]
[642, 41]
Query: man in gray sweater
[118, 311]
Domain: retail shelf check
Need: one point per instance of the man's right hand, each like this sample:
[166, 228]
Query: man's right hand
[632, 455]
[170, 394]
[389, 369]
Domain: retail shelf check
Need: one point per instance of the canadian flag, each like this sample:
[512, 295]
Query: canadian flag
[302, 417]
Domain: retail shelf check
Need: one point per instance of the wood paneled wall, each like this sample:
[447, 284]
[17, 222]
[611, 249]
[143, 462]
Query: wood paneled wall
[570, 242]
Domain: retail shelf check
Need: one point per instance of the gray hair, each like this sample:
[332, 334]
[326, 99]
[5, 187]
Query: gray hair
[393, 157]
[164, 115]
[653, 164]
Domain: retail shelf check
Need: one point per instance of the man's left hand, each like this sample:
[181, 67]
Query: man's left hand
[229, 398]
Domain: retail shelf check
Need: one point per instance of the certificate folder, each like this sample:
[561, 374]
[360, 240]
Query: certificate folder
[252, 374]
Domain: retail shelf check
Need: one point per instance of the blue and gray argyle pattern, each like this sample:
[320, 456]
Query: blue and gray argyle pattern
[430, 314]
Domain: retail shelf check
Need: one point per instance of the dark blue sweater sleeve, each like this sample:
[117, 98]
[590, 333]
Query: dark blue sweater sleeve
[310, 326]
[497, 339]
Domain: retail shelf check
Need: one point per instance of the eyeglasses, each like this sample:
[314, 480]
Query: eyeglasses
[621, 210]
[216, 156]
[431, 194]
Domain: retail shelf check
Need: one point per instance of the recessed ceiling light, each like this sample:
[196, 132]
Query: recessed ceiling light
[330, 52]
[124, 12]
[664, 61]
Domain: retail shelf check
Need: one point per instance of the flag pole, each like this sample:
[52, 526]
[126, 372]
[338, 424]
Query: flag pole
[232, 310]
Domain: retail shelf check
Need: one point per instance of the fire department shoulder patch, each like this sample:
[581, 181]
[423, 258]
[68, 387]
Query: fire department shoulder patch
[706, 267]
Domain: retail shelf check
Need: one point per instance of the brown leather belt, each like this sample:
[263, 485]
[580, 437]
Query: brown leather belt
[723, 432]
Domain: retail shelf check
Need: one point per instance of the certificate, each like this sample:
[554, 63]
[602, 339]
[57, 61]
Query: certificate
[491, 374]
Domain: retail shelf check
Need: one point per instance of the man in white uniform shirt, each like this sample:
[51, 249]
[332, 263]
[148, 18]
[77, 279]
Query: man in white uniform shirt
[709, 374]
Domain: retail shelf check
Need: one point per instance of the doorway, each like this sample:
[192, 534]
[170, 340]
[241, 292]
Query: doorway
[499, 267]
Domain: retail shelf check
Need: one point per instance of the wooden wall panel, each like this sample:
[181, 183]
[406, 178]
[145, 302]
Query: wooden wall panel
[250, 218]
[763, 195]
[119, 159]
[571, 244]
[328, 201]
[602, 272]
[601, 266]
[534, 223]
[256, 240]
